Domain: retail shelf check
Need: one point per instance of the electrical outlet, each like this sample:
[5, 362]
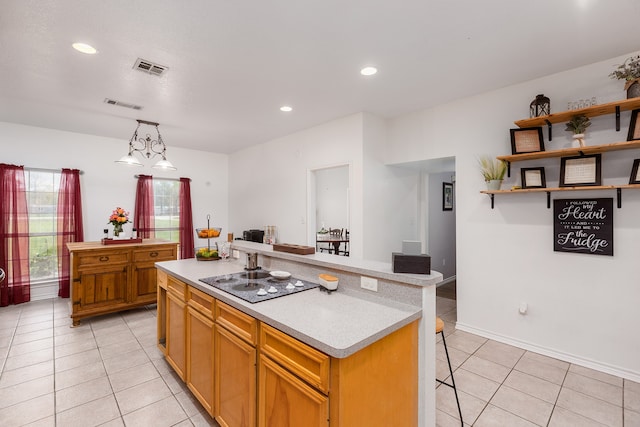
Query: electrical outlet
[236, 253]
[444, 261]
[369, 283]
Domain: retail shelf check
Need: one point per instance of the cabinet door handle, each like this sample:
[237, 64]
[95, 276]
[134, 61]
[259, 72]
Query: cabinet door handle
[153, 254]
[104, 258]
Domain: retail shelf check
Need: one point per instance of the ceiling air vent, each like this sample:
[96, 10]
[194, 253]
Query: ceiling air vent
[149, 67]
[122, 104]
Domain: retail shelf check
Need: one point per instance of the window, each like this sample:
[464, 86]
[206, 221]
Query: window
[167, 209]
[42, 200]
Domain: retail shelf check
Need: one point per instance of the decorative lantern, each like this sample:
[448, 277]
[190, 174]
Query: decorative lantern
[541, 106]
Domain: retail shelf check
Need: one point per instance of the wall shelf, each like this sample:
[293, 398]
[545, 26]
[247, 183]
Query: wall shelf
[550, 190]
[564, 116]
[573, 151]
[593, 111]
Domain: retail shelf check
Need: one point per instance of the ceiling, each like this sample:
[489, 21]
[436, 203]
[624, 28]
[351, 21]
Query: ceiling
[232, 64]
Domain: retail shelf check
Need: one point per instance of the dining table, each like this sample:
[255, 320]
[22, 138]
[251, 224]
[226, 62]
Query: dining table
[333, 240]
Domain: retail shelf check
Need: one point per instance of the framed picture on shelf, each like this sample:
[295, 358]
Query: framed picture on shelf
[526, 140]
[580, 170]
[447, 196]
[635, 176]
[533, 178]
[634, 127]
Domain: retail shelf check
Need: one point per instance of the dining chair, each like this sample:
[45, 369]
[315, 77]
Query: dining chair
[346, 244]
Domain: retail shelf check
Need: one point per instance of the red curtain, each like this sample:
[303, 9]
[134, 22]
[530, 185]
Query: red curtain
[143, 219]
[69, 224]
[14, 236]
[186, 220]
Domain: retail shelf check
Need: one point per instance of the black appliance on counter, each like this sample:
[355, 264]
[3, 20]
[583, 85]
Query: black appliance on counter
[253, 235]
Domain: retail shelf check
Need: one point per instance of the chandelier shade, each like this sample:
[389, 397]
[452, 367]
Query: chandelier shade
[148, 147]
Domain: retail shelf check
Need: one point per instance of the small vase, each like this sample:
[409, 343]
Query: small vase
[580, 138]
[117, 229]
[494, 184]
[633, 88]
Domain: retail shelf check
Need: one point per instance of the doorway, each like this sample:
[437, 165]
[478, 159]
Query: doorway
[328, 204]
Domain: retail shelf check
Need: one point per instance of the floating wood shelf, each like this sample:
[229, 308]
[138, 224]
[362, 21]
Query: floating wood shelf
[593, 111]
[574, 151]
[565, 116]
[550, 190]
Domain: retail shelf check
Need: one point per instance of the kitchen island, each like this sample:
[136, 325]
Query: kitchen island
[363, 353]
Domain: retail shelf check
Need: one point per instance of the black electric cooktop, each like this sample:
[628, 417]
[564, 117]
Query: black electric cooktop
[257, 285]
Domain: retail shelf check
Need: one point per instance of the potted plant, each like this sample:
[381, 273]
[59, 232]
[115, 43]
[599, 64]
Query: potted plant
[630, 72]
[578, 125]
[493, 171]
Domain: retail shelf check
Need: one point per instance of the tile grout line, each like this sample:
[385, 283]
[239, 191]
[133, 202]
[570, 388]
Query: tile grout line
[93, 334]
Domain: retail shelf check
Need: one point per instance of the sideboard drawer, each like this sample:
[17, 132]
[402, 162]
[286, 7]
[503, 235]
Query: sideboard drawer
[95, 259]
[155, 254]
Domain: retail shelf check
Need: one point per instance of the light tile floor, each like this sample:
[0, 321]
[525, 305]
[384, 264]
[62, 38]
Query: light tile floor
[501, 385]
[108, 372]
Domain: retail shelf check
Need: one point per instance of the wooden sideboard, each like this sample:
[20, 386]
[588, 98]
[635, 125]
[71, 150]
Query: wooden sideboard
[106, 279]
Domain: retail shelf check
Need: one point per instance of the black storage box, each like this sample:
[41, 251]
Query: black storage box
[416, 264]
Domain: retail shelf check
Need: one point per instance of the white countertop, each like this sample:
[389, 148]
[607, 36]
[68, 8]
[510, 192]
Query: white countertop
[377, 269]
[338, 324]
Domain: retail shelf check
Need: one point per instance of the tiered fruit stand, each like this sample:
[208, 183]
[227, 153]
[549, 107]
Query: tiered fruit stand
[209, 252]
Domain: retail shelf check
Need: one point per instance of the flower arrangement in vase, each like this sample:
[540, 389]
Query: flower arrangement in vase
[630, 72]
[118, 218]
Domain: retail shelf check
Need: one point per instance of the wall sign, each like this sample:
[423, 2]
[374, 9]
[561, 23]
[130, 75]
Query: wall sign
[583, 226]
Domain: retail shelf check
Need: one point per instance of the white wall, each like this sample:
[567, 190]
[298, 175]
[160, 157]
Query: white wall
[332, 197]
[582, 308]
[442, 227]
[391, 194]
[268, 182]
[106, 184]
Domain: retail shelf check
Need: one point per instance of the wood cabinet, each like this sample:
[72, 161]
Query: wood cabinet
[199, 347]
[285, 400]
[105, 279]
[144, 282]
[235, 367]
[263, 377]
[162, 311]
[176, 326]
[294, 382]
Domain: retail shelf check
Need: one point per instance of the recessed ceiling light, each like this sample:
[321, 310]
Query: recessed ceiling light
[84, 48]
[368, 71]
[286, 108]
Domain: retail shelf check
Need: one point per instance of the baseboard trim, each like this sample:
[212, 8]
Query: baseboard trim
[567, 357]
[447, 280]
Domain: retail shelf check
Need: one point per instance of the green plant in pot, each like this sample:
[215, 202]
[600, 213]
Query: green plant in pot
[630, 72]
[493, 171]
[578, 125]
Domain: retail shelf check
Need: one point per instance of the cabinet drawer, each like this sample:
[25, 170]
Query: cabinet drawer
[177, 287]
[200, 301]
[90, 260]
[159, 253]
[161, 278]
[304, 361]
[244, 326]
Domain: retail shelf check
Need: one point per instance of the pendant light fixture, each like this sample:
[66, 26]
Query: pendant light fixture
[147, 147]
